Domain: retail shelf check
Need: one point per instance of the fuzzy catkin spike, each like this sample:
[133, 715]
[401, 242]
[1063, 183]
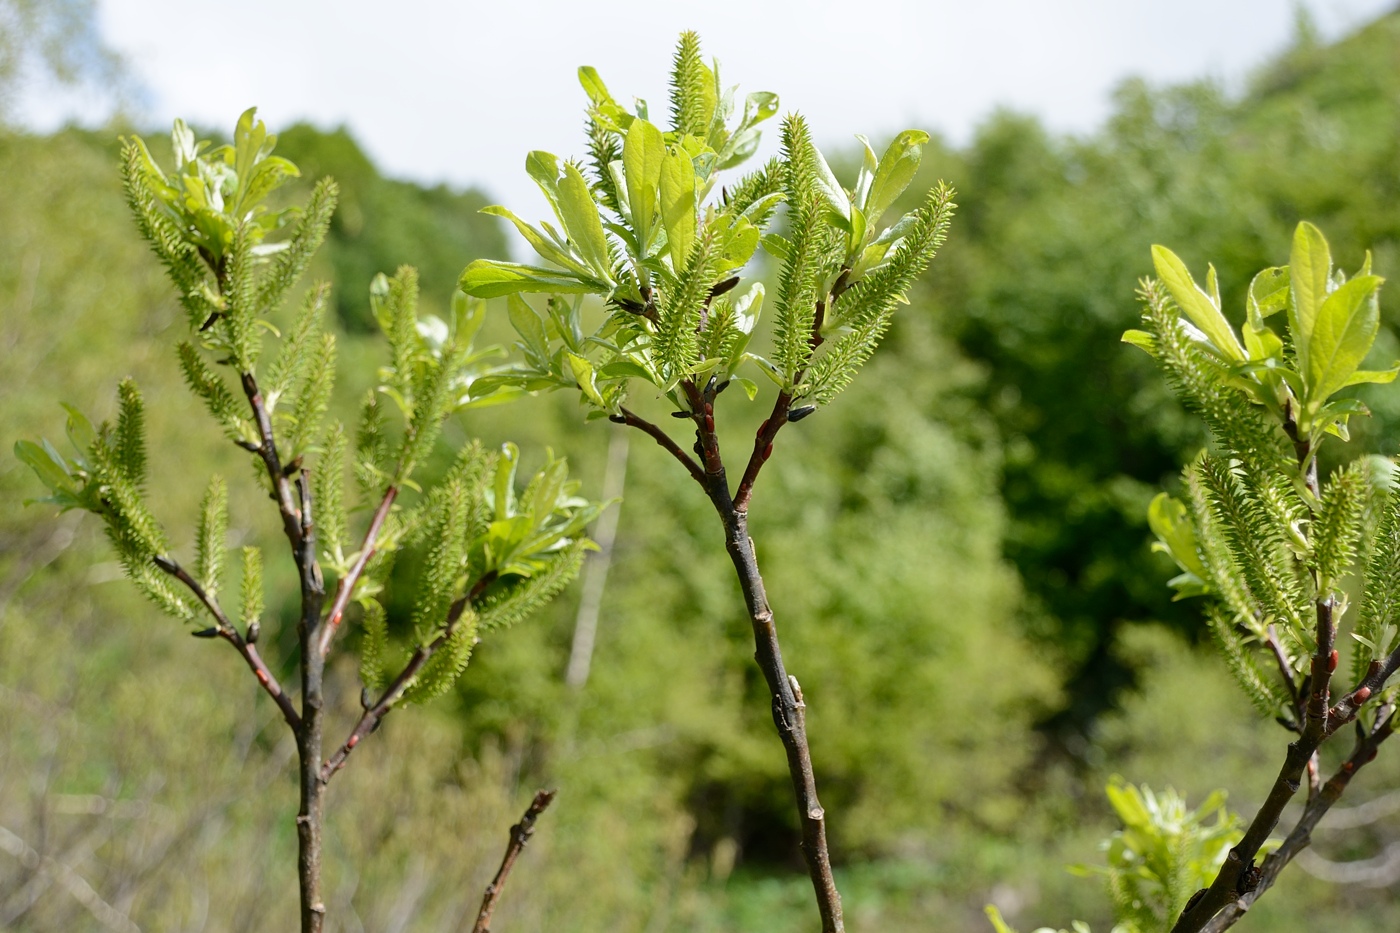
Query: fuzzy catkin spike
[795, 312]
[691, 86]
[527, 594]
[446, 665]
[869, 306]
[213, 532]
[1339, 523]
[130, 440]
[187, 269]
[395, 304]
[292, 361]
[445, 561]
[329, 489]
[1265, 693]
[1255, 545]
[306, 239]
[252, 585]
[371, 448]
[679, 317]
[1201, 385]
[755, 186]
[238, 285]
[431, 404]
[603, 150]
[313, 397]
[211, 389]
[373, 646]
[1380, 606]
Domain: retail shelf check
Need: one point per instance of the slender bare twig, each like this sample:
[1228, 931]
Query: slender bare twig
[762, 449]
[375, 713]
[345, 588]
[225, 629]
[520, 834]
[667, 443]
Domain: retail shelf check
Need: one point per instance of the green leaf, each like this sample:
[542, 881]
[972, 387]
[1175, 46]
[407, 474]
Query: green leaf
[583, 374]
[50, 468]
[678, 205]
[643, 154]
[830, 189]
[1171, 523]
[1196, 304]
[1343, 331]
[896, 170]
[1142, 340]
[543, 245]
[489, 278]
[593, 86]
[1309, 271]
[582, 223]
[531, 330]
[748, 385]
[1381, 377]
[1268, 292]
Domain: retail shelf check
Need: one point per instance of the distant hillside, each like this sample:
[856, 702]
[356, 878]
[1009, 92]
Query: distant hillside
[383, 223]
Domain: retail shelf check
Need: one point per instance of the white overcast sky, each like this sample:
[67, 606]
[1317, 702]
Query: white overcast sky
[460, 91]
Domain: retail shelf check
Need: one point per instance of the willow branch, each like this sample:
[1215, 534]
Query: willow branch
[1301, 836]
[345, 588]
[520, 834]
[225, 629]
[374, 714]
[667, 443]
[267, 450]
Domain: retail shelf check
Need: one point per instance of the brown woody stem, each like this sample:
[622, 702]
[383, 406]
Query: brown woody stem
[230, 634]
[520, 834]
[1301, 836]
[345, 587]
[301, 534]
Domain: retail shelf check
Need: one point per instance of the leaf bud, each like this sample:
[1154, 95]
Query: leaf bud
[1332, 661]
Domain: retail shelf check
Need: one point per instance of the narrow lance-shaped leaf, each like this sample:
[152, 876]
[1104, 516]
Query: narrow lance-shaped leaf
[1310, 272]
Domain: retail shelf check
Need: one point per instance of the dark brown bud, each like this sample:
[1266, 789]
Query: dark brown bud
[618, 419]
[207, 633]
[680, 414]
[165, 563]
[254, 630]
[797, 414]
